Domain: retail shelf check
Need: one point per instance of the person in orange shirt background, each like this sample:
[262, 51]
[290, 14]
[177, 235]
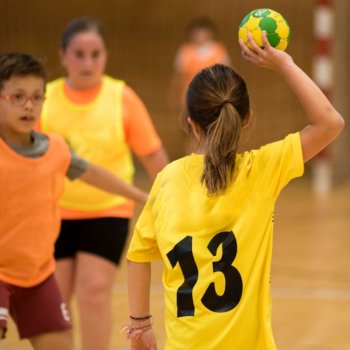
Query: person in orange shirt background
[202, 49]
[32, 170]
[104, 121]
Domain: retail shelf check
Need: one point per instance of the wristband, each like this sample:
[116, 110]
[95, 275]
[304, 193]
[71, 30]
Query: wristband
[140, 318]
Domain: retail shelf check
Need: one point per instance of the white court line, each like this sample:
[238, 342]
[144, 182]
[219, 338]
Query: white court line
[309, 293]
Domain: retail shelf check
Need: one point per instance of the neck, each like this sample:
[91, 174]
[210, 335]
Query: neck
[81, 96]
[199, 150]
[70, 84]
[199, 147]
[18, 140]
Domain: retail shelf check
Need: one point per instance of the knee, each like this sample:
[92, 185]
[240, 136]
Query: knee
[94, 290]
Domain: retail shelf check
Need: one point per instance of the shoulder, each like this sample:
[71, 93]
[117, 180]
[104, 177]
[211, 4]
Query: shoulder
[113, 86]
[130, 97]
[290, 139]
[175, 165]
[271, 167]
[58, 147]
[56, 140]
[286, 152]
[167, 178]
[183, 53]
[111, 81]
[220, 46]
[54, 84]
[289, 143]
[173, 171]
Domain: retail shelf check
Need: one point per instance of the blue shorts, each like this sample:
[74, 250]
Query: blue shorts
[104, 237]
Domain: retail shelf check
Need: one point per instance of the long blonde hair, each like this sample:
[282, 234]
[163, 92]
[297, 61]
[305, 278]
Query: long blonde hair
[217, 100]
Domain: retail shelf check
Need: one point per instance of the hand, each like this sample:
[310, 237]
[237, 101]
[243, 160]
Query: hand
[267, 57]
[147, 341]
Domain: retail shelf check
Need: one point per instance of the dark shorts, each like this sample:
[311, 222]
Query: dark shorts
[104, 237]
[35, 310]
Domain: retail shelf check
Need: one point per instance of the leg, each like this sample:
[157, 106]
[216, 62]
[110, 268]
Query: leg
[64, 274]
[53, 341]
[65, 250]
[101, 244]
[95, 277]
[5, 296]
[40, 315]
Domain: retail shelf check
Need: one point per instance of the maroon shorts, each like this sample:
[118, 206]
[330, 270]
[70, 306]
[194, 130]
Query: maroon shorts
[35, 310]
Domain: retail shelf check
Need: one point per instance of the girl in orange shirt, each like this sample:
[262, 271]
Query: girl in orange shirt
[201, 50]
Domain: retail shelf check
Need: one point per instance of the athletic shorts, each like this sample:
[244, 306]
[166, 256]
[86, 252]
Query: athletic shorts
[104, 237]
[35, 310]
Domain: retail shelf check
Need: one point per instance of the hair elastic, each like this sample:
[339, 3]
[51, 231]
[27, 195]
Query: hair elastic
[223, 103]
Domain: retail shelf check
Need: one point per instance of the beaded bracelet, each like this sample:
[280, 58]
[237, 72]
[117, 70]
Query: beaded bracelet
[135, 332]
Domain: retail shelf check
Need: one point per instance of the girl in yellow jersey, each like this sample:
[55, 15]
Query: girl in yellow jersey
[104, 121]
[209, 216]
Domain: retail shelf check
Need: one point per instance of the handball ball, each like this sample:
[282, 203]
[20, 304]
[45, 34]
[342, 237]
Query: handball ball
[273, 23]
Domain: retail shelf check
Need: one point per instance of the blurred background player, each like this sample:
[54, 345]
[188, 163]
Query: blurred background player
[202, 49]
[32, 171]
[217, 245]
[103, 120]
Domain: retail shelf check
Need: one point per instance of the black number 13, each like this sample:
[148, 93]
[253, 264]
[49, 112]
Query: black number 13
[182, 253]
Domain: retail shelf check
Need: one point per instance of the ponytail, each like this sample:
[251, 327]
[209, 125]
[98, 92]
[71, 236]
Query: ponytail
[217, 100]
[221, 148]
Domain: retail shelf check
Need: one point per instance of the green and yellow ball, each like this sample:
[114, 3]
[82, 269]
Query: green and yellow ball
[273, 23]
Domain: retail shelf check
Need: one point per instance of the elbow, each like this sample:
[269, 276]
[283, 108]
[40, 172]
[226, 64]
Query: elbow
[337, 125]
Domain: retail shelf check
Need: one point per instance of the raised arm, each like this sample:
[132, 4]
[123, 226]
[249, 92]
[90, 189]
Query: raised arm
[324, 122]
[105, 180]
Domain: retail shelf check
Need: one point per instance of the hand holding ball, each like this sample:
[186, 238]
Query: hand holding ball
[269, 21]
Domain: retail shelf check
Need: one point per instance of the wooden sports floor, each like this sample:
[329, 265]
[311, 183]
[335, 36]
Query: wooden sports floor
[310, 275]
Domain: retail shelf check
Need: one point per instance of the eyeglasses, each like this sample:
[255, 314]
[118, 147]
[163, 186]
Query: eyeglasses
[20, 99]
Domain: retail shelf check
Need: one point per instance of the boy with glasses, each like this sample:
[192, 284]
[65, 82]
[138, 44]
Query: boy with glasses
[32, 171]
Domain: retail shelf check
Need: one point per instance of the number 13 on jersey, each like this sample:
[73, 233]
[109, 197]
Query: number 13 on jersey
[182, 254]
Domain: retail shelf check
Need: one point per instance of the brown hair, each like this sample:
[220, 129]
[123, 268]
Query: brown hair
[217, 100]
[202, 23]
[81, 25]
[20, 64]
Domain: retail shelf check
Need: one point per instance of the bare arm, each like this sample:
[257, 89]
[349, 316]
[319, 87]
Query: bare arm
[324, 122]
[139, 280]
[154, 162]
[105, 180]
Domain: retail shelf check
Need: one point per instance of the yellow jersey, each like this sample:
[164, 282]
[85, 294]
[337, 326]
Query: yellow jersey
[217, 249]
[95, 132]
